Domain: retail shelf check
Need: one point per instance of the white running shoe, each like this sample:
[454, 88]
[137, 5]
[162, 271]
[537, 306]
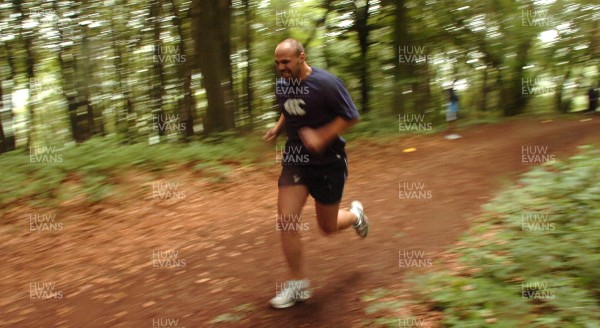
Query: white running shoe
[362, 224]
[293, 291]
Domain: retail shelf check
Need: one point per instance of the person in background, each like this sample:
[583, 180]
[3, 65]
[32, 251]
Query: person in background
[452, 114]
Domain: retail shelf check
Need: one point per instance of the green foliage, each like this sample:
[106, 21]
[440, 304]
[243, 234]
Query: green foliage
[383, 303]
[373, 126]
[375, 295]
[533, 261]
[490, 48]
[94, 164]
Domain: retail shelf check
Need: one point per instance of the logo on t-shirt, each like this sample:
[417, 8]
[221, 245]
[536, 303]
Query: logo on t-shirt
[292, 106]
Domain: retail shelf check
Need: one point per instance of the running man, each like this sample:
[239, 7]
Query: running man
[315, 108]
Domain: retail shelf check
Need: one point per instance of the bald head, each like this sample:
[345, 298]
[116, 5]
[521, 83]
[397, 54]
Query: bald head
[290, 59]
[291, 45]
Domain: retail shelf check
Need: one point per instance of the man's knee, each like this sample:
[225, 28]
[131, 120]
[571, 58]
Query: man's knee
[327, 216]
[327, 229]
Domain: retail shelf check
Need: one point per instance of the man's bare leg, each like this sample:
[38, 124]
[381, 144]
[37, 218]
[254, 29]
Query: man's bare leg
[331, 219]
[290, 202]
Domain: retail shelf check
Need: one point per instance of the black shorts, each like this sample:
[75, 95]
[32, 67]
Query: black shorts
[325, 182]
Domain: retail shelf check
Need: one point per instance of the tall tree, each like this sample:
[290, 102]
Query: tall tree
[187, 106]
[362, 28]
[26, 39]
[248, 38]
[119, 45]
[158, 81]
[86, 82]
[74, 80]
[211, 34]
[6, 88]
[402, 41]
[2, 137]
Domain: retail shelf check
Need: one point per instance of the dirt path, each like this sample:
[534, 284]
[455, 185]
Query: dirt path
[212, 249]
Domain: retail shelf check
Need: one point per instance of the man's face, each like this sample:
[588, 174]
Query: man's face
[287, 62]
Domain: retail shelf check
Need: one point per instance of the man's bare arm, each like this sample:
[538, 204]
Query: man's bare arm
[271, 134]
[316, 140]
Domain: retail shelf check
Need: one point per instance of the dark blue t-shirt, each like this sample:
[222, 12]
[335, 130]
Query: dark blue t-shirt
[313, 103]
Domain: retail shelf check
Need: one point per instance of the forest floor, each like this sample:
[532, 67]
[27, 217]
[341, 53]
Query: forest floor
[206, 253]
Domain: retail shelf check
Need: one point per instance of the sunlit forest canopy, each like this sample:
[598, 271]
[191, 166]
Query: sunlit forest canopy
[170, 71]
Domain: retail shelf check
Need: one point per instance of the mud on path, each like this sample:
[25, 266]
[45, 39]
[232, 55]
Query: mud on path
[214, 253]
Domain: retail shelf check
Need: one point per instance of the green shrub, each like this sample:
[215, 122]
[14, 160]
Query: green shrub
[95, 160]
[535, 254]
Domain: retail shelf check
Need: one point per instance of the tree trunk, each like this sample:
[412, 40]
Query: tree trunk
[27, 41]
[70, 84]
[514, 102]
[7, 83]
[210, 29]
[363, 28]
[2, 137]
[426, 103]
[248, 37]
[484, 91]
[126, 106]
[157, 91]
[188, 104]
[562, 105]
[401, 71]
[95, 112]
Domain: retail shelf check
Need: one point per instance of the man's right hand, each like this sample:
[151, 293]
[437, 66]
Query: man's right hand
[270, 136]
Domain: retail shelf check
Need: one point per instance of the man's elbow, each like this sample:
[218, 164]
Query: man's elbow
[352, 121]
